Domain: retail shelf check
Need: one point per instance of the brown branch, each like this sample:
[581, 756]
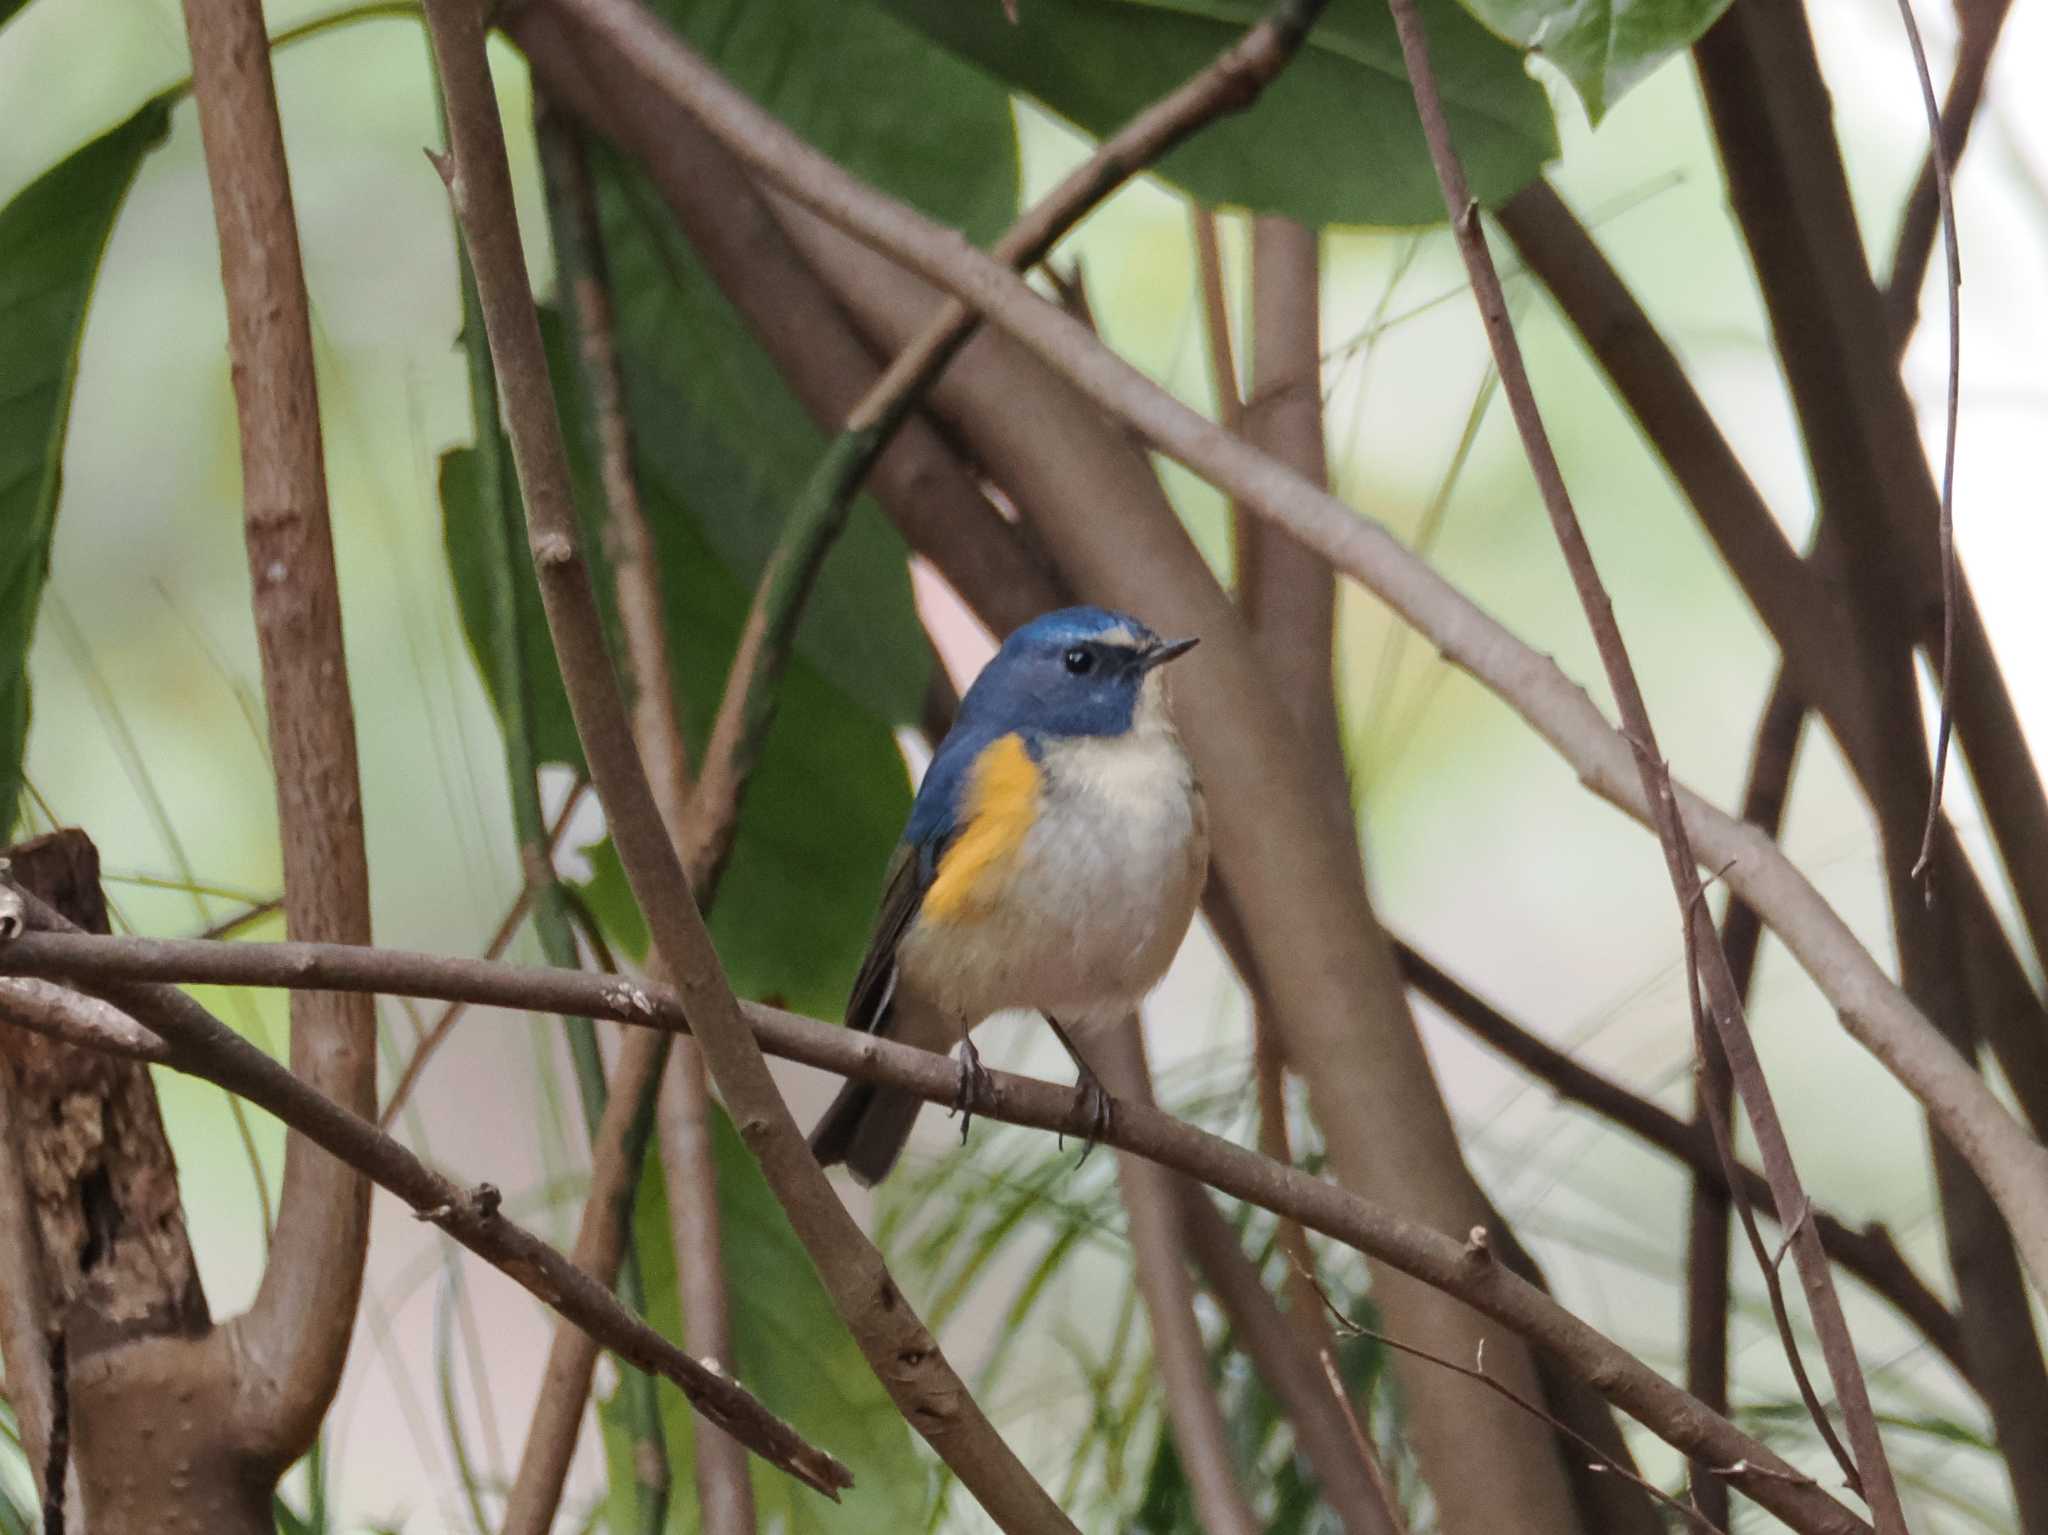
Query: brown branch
[1707, 1251]
[1868, 1254]
[1875, 1012]
[601, 1241]
[1800, 604]
[1982, 21]
[1601, 1460]
[1179, 1356]
[1396, 1523]
[1871, 1466]
[725, 1488]
[1288, 594]
[111, 967]
[1938, 155]
[1348, 1474]
[1767, 104]
[200, 1045]
[903, 1354]
[295, 1335]
[438, 1031]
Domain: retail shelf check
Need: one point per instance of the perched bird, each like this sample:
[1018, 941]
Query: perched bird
[1053, 859]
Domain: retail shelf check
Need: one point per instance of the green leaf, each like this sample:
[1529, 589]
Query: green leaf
[791, 1351]
[872, 94]
[1602, 46]
[52, 237]
[8, 8]
[1335, 140]
[830, 794]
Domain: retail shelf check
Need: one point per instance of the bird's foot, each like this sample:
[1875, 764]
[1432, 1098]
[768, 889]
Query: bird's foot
[975, 1092]
[1092, 1099]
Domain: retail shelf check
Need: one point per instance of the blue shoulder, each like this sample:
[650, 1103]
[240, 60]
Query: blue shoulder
[935, 813]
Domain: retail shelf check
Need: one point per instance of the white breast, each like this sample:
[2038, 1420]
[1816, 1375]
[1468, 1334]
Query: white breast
[1097, 899]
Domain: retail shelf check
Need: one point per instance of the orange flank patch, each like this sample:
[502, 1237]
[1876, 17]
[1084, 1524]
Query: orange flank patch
[999, 807]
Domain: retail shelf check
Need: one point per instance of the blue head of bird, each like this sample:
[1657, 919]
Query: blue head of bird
[1075, 672]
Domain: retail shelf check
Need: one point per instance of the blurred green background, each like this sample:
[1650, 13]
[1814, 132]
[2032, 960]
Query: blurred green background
[1483, 851]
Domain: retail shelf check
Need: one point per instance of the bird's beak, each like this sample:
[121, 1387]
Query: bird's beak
[1166, 650]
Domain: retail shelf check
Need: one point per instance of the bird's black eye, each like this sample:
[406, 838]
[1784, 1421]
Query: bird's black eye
[1079, 660]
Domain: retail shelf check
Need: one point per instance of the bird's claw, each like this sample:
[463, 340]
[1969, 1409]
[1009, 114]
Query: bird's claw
[975, 1090]
[1091, 1099]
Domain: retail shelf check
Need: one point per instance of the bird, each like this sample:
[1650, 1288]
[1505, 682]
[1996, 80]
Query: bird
[1053, 858]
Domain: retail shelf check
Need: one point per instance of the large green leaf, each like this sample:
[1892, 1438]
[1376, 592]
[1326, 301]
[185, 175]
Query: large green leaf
[792, 1351]
[52, 236]
[1602, 46]
[1334, 141]
[830, 794]
[874, 95]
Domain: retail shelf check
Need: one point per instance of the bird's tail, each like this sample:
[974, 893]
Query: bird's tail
[865, 1128]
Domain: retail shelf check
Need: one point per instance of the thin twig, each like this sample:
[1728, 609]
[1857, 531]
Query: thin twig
[1702, 941]
[1766, 1262]
[437, 1032]
[725, 1489]
[1868, 1254]
[1772, 756]
[1477, 1372]
[202, 1046]
[1938, 151]
[1353, 1489]
[1179, 1354]
[107, 965]
[1981, 23]
[898, 1347]
[1365, 1450]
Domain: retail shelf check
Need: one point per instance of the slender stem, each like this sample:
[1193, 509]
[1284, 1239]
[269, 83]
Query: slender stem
[898, 1347]
[1179, 1354]
[1706, 1266]
[1937, 153]
[296, 1332]
[1868, 1253]
[1790, 1196]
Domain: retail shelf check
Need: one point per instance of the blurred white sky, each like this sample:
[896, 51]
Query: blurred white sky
[1483, 850]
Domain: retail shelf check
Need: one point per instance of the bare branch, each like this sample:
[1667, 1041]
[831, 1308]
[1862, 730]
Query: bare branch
[1350, 1479]
[1937, 154]
[601, 1239]
[1982, 21]
[898, 1347]
[203, 1046]
[1179, 1355]
[1868, 1254]
[108, 965]
[1772, 755]
[296, 1333]
[1702, 941]
[1768, 106]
